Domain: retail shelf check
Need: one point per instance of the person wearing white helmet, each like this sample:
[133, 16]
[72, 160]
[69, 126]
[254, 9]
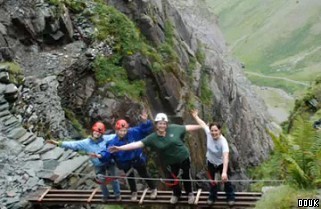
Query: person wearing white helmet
[168, 142]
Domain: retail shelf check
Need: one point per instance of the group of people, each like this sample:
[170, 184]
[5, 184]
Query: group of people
[124, 149]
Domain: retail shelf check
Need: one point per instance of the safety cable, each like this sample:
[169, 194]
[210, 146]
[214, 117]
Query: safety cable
[153, 179]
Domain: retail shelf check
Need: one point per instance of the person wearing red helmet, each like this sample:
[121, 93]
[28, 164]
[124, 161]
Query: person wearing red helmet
[134, 159]
[96, 143]
[168, 142]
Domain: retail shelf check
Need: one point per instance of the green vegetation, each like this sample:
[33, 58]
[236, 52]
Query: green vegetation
[105, 71]
[113, 207]
[112, 23]
[269, 38]
[76, 124]
[191, 102]
[191, 65]
[15, 72]
[121, 34]
[75, 6]
[283, 197]
[296, 155]
[166, 50]
[206, 94]
[296, 158]
[200, 54]
[275, 83]
[126, 41]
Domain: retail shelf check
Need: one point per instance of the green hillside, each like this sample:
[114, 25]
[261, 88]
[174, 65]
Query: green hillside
[273, 38]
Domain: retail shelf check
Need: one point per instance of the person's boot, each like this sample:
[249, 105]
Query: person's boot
[174, 199]
[191, 198]
[153, 194]
[105, 199]
[134, 196]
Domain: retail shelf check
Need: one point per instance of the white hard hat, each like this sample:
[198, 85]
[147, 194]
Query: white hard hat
[161, 117]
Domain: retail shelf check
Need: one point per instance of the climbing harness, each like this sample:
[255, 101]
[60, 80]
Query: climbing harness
[107, 179]
[175, 178]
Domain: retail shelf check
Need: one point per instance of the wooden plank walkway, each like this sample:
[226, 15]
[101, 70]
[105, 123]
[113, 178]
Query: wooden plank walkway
[54, 196]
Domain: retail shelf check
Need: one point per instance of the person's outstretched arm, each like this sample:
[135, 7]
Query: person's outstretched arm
[73, 145]
[130, 146]
[191, 128]
[198, 119]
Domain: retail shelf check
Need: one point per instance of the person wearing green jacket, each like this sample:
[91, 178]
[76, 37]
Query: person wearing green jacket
[168, 142]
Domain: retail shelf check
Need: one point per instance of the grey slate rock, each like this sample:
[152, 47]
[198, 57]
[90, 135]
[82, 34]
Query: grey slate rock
[35, 145]
[11, 89]
[4, 113]
[32, 157]
[10, 120]
[35, 165]
[65, 168]
[30, 139]
[53, 154]
[17, 133]
[25, 137]
[46, 148]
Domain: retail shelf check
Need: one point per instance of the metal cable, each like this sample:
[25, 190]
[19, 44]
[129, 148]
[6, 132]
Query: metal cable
[155, 179]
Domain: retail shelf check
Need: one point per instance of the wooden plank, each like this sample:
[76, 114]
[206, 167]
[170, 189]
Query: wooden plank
[241, 199]
[49, 197]
[160, 196]
[197, 196]
[92, 195]
[43, 195]
[143, 196]
[68, 195]
[180, 202]
[160, 192]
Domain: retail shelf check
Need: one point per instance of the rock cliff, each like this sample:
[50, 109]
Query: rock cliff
[183, 63]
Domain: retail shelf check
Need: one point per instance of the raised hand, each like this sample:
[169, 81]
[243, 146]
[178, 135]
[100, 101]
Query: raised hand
[144, 116]
[194, 113]
[51, 141]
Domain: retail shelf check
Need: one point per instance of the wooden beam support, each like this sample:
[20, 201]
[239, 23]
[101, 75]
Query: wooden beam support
[43, 195]
[199, 191]
[143, 196]
[92, 195]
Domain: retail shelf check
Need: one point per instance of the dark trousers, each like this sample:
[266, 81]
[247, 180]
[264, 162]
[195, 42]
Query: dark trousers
[142, 171]
[174, 169]
[214, 188]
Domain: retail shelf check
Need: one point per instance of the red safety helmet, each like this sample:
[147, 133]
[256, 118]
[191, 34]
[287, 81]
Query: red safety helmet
[99, 127]
[121, 124]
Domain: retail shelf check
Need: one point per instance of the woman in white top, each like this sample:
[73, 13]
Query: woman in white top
[217, 156]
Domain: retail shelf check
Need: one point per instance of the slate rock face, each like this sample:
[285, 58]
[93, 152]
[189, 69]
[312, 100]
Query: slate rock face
[234, 102]
[57, 61]
[23, 169]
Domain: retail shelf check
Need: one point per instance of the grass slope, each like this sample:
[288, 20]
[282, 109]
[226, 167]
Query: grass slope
[272, 37]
